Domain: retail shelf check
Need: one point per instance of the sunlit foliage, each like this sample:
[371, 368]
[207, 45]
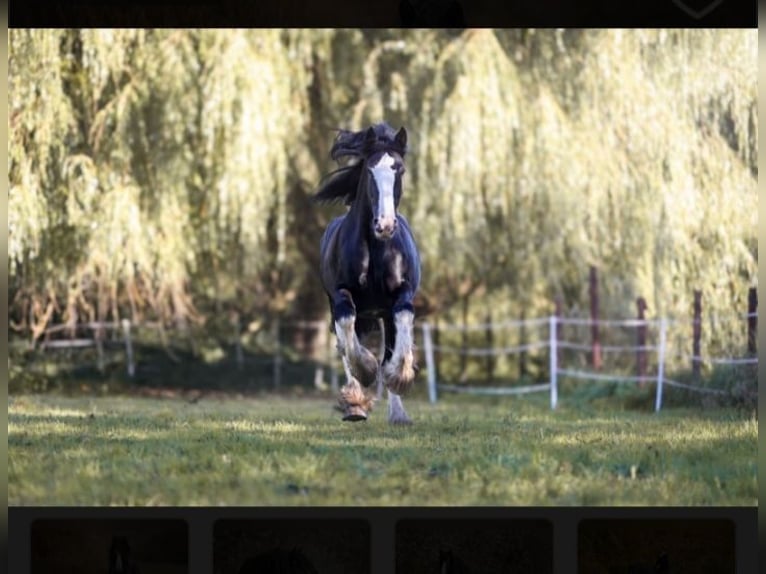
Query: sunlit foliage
[166, 173]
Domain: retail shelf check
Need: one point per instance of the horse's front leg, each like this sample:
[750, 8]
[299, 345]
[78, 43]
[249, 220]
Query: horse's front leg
[359, 364]
[399, 371]
[396, 413]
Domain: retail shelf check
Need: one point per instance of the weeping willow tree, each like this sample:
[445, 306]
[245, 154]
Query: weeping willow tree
[641, 162]
[142, 161]
[168, 173]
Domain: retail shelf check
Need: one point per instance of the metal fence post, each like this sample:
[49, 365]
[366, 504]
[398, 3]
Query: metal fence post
[554, 362]
[661, 363]
[128, 348]
[428, 347]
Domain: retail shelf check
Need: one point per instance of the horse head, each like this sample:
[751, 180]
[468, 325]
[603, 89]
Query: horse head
[373, 179]
[385, 167]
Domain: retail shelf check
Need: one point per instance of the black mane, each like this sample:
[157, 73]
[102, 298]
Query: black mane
[342, 183]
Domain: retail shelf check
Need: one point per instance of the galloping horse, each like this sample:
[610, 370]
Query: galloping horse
[370, 268]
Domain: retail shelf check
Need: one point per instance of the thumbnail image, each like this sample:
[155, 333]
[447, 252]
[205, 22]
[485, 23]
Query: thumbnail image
[86, 546]
[701, 546]
[293, 546]
[474, 546]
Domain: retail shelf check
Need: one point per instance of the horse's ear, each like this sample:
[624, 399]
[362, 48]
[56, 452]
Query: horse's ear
[401, 137]
[371, 136]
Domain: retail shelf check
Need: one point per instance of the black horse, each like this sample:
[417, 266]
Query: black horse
[370, 268]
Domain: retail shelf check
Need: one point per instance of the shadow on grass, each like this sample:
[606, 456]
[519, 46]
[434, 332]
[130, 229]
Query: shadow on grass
[179, 368]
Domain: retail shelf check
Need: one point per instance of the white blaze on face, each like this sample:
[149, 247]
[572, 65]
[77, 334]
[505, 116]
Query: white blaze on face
[385, 179]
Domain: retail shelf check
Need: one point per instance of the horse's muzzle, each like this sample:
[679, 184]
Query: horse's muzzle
[385, 227]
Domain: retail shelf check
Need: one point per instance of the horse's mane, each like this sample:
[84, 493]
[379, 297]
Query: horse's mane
[342, 183]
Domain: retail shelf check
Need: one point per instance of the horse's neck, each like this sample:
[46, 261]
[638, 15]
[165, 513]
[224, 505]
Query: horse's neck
[360, 213]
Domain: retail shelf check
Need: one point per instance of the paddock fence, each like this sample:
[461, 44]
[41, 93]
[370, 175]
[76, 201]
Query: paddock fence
[570, 358]
[638, 351]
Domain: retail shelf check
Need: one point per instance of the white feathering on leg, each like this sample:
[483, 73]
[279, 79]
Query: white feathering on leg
[400, 370]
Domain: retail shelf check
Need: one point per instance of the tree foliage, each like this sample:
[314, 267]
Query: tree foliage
[167, 173]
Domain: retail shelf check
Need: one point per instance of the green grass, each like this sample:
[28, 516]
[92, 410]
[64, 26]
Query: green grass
[463, 451]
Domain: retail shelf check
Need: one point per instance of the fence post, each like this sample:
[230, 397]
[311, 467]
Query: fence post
[321, 337]
[553, 357]
[596, 339]
[238, 354]
[128, 347]
[696, 335]
[428, 348]
[490, 342]
[522, 343]
[752, 321]
[641, 343]
[98, 336]
[277, 337]
[331, 359]
[661, 364]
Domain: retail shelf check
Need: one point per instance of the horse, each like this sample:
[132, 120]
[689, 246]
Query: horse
[370, 268]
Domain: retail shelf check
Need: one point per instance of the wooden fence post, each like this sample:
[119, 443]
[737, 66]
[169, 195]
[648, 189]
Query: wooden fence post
[238, 354]
[752, 321]
[490, 342]
[661, 363]
[696, 335]
[641, 343]
[128, 348]
[596, 340]
[276, 335]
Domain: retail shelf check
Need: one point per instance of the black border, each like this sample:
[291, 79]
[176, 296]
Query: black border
[234, 13]
[352, 13]
[565, 521]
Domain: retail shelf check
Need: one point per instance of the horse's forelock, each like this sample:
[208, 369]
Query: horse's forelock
[357, 144]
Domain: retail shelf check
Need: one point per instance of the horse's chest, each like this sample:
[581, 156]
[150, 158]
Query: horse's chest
[378, 277]
[384, 271]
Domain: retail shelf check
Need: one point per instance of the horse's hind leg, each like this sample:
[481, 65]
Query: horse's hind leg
[396, 413]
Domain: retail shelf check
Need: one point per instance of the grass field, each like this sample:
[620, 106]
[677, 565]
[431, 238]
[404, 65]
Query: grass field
[462, 451]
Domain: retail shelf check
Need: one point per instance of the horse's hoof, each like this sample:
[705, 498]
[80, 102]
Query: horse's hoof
[355, 413]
